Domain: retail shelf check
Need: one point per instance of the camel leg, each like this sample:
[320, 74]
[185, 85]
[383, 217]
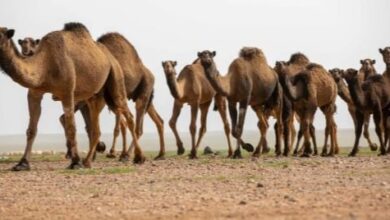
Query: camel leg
[177, 106]
[358, 132]
[204, 109]
[34, 107]
[158, 121]
[70, 131]
[278, 132]
[293, 131]
[221, 103]
[239, 127]
[314, 139]
[93, 106]
[194, 115]
[300, 134]
[306, 122]
[111, 154]
[366, 133]
[378, 119]
[263, 127]
[329, 130]
[138, 154]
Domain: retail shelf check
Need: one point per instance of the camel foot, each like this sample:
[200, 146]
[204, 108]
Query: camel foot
[111, 155]
[278, 153]
[230, 154]
[23, 165]
[305, 154]
[160, 157]
[315, 152]
[180, 150]
[124, 157]
[374, 147]
[75, 166]
[68, 155]
[295, 153]
[101, 147]
[192, 155]
[286, 153]
[266, 150]
[330, 154]
[256, 155]
[87, 163]
[248, 147]
[139, 159]
[237, 154]
[382, 153]
[353, 153]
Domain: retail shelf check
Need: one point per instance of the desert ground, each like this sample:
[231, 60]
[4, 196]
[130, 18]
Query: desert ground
[211, 187]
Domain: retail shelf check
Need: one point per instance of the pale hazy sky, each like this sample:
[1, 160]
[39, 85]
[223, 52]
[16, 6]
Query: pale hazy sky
[334, 33]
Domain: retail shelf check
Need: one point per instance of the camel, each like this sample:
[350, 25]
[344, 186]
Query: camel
[310, 89]
[372, 95]
[249, 81]
[344, 94]
[139, 83]
[192, 87]
[71, 66]
[386, 58]
[28, 45]
[296, 64]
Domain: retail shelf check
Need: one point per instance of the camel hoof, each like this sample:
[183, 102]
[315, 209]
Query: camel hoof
[278, 153]
[101, 147]
[160, 157]
[352, 154]
[86, 163]
[124, 158]
[382, 153]
[256, 155]
[111, 155]
[305, 155]
[286, 153]
[68, 155]
[192, 156]
[295, 154]
[23, 165]
[330, 155]
[315, 153]
[237, 155]
[374, 147]
[207, 150]
[74, 166]
[266, 150]
[139, 159]
[180, 151]
[248, 147]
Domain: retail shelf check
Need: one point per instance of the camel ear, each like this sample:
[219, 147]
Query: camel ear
[174, 63]
[381, 50]
[362, 62]
[10, 33]
[37, 41]
[199, 53]
[373, 61]
[214, 53]
[20, 42]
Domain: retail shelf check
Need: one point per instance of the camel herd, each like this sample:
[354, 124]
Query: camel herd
[86, 74]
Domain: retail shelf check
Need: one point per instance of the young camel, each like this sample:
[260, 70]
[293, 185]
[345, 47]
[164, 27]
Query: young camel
[344, 94]
[28, 45]
[56, 68]
[192, 87]
[372, 95]
[310, 89]
[250, 81]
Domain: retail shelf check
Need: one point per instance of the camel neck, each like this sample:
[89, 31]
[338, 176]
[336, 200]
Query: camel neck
[15, 66]
[173, 85]
[356, 92]
[218, 82]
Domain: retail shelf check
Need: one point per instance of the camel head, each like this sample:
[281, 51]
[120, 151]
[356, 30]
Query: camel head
[280, 67]
[367, 65]
[385, 54]
[337, 74]
[28, 46]
[350, 74]
[5, 37]
[169, 67]
[206, 57]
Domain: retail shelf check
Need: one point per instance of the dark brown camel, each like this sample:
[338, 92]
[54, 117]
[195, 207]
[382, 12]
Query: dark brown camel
[372, 95]
[249, 81]
[310, 89]
[192, 87]
[74, 68]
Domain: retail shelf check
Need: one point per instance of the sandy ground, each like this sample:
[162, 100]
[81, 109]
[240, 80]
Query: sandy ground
[211, 187]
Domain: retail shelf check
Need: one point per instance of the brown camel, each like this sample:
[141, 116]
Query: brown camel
[74, 68]
[386, 58]
[344, 94]
[249, 81]
[296, 64]
[310, 89]
[192, 87]
[372, 95]
[139, 83]
[28, 45]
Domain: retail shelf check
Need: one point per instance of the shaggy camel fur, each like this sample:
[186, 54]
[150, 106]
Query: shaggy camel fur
[74, 68]
[28, 45]
[344, 94]
[372, 95]
[250, 81]
[192, 87]
[310, 89]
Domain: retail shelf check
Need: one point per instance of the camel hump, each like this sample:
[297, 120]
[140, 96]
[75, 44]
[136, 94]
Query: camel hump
[298, 58]
[111, 36]
[312, 66]
[75, 27]
[249, 53]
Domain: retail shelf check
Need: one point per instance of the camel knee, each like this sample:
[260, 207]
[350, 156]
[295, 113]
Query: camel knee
[31, 132]
[62, 119]
[172, 124]
[192, 128]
